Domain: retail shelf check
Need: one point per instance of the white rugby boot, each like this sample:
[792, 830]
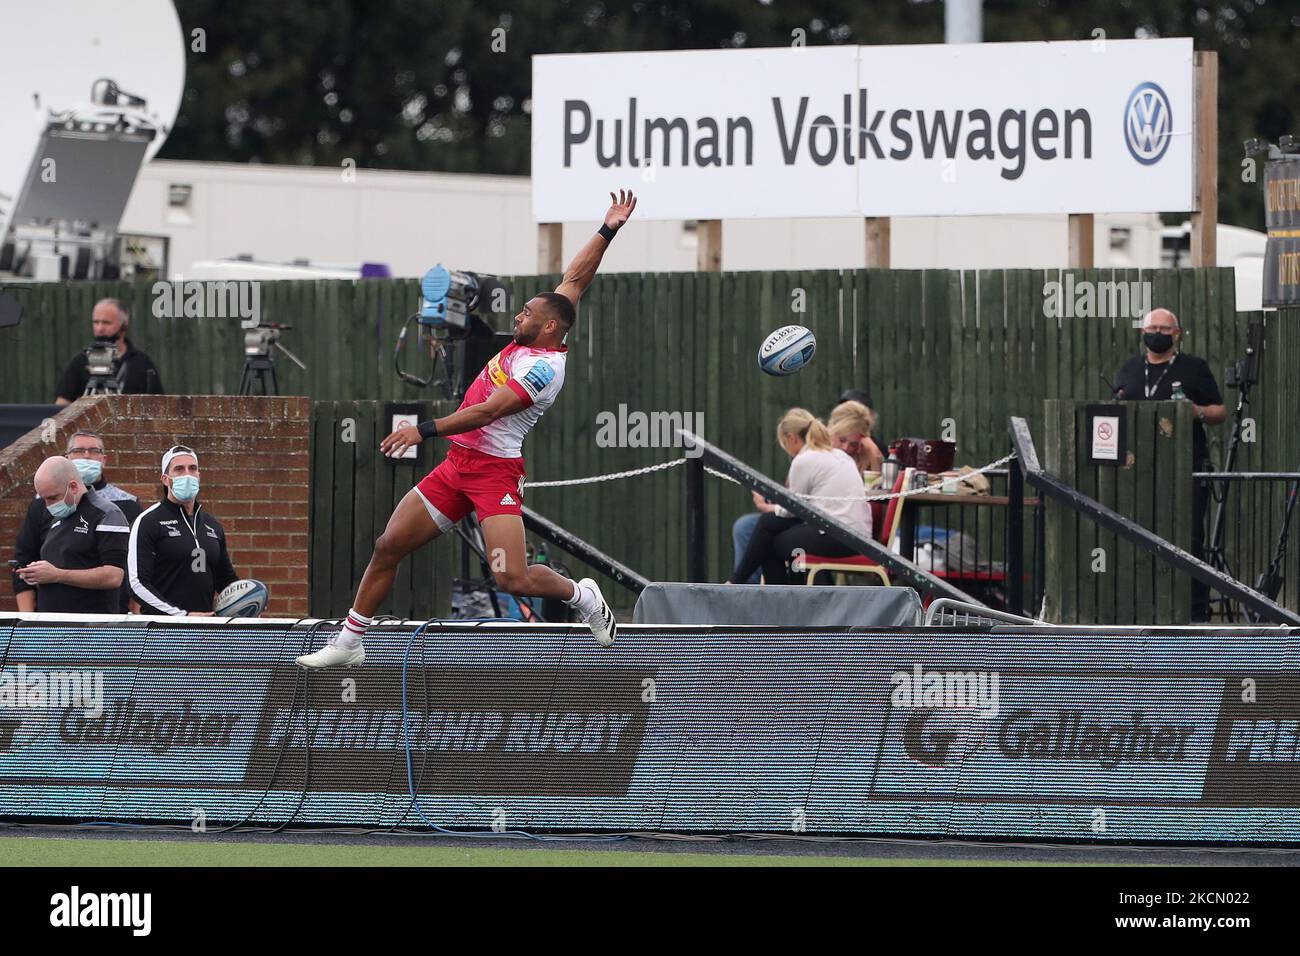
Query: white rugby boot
[334, 655]
[596, 613]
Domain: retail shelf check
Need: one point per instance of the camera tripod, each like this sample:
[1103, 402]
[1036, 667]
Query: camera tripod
[259, 371]
[1242, 375]
[259, 367]
[100, 385]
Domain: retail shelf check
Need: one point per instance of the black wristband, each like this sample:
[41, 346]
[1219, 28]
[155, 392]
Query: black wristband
[607, 232]
[427, 429]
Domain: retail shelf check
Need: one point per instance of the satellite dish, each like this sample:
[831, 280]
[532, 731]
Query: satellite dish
[55, 52]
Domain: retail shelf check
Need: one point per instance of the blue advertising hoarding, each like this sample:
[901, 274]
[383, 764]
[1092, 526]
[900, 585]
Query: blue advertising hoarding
[1103, 734]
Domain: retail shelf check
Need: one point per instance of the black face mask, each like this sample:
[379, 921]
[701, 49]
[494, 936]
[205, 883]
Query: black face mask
[1158, 342]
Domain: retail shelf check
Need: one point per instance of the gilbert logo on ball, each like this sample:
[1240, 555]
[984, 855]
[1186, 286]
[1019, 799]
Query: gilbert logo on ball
[244, 598]
[786, 350]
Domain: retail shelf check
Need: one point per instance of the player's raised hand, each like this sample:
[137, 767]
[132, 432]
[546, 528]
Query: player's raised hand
[396, 444]
[620, 209]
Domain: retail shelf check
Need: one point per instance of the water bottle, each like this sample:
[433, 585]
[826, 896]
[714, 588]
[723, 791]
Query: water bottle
[888, 473]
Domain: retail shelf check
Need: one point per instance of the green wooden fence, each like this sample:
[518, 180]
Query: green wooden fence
[354, 490]
[1093, 576]
[936, 349]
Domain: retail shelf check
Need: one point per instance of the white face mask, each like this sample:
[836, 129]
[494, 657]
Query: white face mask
[61, 509]
[185, 488]
[89, 469]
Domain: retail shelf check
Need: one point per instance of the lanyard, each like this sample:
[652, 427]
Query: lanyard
[1146, 376]
[192, 527]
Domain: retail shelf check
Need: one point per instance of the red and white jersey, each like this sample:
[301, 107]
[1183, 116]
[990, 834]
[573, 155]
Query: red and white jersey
[535, 375]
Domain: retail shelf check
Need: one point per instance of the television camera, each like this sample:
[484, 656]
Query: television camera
[450, 303]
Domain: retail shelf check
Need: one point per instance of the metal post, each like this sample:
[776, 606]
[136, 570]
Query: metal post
[695, 563]
[1016, 538]
[907, 532]
[1040, 555]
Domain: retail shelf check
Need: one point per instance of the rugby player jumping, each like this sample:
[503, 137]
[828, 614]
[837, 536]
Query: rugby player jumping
[484, 468]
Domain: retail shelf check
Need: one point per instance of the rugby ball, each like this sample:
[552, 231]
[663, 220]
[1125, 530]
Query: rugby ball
[245, 598]
[786, 350]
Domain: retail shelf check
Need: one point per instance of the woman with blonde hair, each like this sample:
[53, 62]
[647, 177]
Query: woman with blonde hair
[851, 424]
[828, 478]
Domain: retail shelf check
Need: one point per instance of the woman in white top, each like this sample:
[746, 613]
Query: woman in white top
[833, 483]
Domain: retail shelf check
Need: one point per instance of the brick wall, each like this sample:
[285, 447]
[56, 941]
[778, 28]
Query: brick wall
[254, 460]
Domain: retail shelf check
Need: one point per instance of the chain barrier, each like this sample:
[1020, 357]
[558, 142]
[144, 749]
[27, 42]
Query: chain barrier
[662, 466]
[614, 476]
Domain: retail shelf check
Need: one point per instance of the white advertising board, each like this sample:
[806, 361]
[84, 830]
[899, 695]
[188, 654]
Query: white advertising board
[931, 130]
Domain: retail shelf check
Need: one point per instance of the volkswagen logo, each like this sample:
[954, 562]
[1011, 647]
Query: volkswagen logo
[1148, 123]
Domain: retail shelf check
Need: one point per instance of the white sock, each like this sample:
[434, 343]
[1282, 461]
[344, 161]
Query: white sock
[354, 628]
[579, 596]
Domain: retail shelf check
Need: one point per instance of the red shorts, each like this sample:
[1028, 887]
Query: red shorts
[469, 480]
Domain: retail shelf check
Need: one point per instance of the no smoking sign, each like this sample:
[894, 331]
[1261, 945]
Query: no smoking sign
[1105, 434]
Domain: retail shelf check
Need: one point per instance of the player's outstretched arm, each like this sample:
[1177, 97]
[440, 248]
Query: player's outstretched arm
[584, 265]
[504, 401]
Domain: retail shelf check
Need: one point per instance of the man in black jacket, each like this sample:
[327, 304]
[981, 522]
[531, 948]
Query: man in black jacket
[136, 374]
[177, 560]
[70, 559]
[87, 452]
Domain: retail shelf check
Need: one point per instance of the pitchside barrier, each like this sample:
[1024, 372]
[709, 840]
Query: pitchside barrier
[1065, 733]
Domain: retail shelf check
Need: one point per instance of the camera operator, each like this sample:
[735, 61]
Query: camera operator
[177, 559]
[135, 372]
[70, 558]
[1165, 373]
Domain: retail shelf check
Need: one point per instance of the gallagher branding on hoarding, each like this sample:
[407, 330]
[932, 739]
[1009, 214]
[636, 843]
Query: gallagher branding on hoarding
[1094, 737]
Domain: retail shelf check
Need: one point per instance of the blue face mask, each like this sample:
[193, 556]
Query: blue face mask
[88, 469]
[185, 488]
[61, 509]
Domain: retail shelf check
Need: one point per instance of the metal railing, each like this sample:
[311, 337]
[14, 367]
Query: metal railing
[981, 542]
[946, 612]
[1253, 602]
[900, 569]
[1246, 532]
[583, 551]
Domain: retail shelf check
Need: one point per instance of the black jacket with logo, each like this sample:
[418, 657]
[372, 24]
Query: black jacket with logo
[93, 536]
[167, 574]
[39, 519]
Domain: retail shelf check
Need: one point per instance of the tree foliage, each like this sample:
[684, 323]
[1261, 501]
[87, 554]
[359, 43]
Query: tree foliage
[426, 84]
